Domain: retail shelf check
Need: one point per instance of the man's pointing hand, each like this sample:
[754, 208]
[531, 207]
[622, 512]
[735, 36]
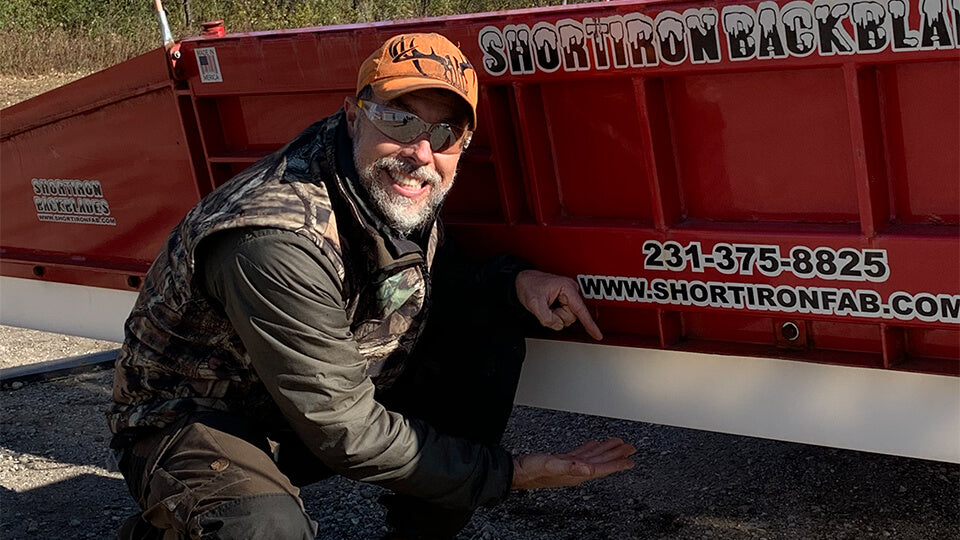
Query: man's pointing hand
[555, 301]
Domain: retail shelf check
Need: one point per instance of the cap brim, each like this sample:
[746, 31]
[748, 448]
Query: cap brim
[395, 87]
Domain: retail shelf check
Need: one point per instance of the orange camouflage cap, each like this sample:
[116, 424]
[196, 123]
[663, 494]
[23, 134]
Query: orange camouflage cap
[409, 62]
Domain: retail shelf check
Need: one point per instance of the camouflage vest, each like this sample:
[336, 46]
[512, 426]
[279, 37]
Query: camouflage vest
[180, 352]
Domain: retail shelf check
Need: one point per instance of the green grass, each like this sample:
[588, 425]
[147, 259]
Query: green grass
[44, 36]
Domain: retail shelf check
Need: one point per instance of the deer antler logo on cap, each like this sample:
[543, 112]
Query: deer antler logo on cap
[450, 69]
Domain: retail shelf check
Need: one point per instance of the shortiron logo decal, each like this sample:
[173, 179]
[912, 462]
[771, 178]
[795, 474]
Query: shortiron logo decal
[71, 201]
[450, 69]
[763, 31]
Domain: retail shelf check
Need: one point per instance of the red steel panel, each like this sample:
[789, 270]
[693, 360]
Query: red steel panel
[476, 196]
[781, 161]
[726, 327]
[926, 141]
[595, 118]
[640, 146]
[99, 186]
[129, 78]
[934, 343]
[845, 336]
[268, 122]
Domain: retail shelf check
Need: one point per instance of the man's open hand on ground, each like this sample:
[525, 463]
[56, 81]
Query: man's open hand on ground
[591, 460]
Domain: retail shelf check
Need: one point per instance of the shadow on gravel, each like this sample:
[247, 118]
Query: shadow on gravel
[61, 421]
[615, 520]
[835, 493]
[690, 484]
[85, 506]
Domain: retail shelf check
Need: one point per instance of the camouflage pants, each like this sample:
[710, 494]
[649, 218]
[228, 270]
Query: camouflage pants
[213, 476]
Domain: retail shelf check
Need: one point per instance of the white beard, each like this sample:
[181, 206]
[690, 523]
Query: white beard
[400, 212]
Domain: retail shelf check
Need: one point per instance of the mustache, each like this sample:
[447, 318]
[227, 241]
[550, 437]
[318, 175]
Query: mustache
[420, 172]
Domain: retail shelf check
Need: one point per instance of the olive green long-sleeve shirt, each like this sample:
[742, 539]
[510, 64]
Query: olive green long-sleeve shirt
[284, 299]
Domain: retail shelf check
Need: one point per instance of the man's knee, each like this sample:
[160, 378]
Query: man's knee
[209, 465]
[274, 515]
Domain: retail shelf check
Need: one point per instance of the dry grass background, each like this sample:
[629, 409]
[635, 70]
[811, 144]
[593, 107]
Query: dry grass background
[40, 37]
[45, 44]
[14, 88]
[57, 51]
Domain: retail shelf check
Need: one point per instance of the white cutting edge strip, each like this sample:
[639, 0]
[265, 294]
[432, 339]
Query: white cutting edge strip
[78, 310]
[891, 412]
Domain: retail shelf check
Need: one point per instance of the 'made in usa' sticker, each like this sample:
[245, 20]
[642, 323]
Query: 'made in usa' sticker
[208, 64]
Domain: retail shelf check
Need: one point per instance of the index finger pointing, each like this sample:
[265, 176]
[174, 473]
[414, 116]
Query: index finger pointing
[576, 305]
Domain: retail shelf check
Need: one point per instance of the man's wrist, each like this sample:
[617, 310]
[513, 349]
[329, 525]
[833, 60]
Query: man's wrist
[515, 470]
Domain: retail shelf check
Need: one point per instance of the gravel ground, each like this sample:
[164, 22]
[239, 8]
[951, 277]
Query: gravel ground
[687, 484]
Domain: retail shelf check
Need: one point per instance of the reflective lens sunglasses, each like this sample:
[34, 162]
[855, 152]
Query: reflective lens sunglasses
[406, 127]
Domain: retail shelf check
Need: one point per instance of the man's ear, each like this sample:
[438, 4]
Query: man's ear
[350, 106]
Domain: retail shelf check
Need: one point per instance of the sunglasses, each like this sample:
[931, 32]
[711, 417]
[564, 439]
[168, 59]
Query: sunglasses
[406, 127]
